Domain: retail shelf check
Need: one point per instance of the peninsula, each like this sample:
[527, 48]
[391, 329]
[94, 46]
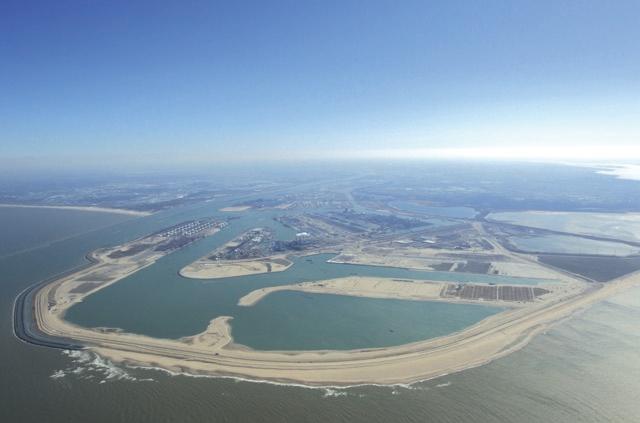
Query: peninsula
[527, 310]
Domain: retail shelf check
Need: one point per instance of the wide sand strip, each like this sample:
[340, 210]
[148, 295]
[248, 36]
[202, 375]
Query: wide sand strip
[395, 289]
[235, 208]
[83, 208]
[356, 286]
[213, 352]
[489, 339]
[209, 269]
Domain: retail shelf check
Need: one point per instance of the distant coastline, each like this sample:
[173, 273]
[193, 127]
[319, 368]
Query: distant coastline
[82, 208]
[621, 171]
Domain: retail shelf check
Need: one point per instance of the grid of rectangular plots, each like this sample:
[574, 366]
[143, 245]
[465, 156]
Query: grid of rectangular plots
[494, 292]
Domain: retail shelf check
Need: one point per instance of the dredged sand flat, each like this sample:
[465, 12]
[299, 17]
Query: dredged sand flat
[389, 288]
[214, 353]
[207, 269]
[356, 286]
[84, 208]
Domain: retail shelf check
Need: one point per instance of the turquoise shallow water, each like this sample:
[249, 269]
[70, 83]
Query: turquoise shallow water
[302, 321]
[586, 369]
[158, 302]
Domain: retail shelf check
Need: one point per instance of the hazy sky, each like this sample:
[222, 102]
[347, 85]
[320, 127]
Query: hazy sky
[184, 80]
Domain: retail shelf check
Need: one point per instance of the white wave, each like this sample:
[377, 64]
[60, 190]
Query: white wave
[88, 365]
[58, 374]
[98, 367]
[276, 383]
[328, 393]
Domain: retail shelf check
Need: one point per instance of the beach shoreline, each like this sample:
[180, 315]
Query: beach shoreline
[81, 208]
[205, 269]
[214, 353]
[232, 209]
[488, 340]
[382, 288]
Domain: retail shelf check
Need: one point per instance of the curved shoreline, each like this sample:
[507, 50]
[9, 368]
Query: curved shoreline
[81, 208]
[213, 352]
[486, 341]
[24, 326]
[355, 286]
[210, 270]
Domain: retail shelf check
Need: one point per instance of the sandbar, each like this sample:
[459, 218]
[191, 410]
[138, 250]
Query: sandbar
[213, 352]
[83, 208]
[235, 208]
[209, 269]
[356, 286]
[411, 290]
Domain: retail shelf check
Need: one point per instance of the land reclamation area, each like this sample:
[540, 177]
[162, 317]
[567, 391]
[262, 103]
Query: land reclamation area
[339, 296]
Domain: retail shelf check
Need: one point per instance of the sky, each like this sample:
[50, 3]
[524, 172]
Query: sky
[136, 82]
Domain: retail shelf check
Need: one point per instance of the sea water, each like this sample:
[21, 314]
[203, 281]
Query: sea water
[586, 369]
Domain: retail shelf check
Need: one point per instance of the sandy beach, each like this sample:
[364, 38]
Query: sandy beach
[207, 269]
[388, 288]
[213, 351]
[356, 286]
[235, 209]
[83, 208]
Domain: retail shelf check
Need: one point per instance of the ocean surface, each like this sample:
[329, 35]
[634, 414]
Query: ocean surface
[24, 228]
[586, 369]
